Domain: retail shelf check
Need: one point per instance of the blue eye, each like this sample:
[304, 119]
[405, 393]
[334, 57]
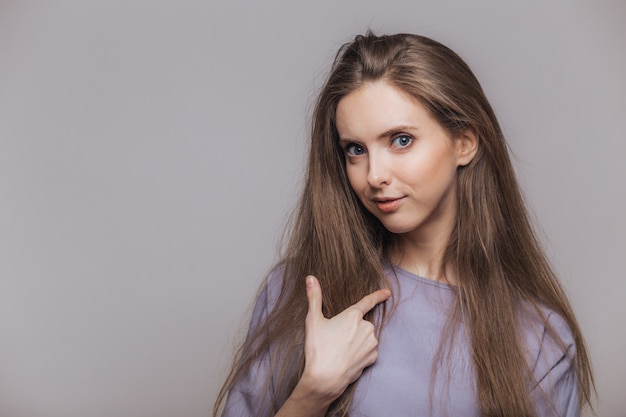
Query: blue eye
[354, 150]
[402, 141]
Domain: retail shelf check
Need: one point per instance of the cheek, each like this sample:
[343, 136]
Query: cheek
[441, 160]
[354, 178]
[431, 172]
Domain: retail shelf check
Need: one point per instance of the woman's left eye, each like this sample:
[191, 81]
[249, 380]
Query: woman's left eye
[402, 141]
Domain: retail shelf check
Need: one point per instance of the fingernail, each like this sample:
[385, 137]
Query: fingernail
[310, 282]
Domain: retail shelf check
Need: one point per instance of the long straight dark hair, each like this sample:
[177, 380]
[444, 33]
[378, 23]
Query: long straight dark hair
[493, 251]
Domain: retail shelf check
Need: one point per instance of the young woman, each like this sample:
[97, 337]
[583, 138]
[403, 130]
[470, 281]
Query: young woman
[413, 283]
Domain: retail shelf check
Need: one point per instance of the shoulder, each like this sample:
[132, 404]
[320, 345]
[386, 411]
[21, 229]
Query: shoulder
[273, 284]
[551, 351]
[268, 295]
[548, 340]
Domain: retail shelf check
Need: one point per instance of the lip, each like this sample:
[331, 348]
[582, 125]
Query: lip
[388, 204]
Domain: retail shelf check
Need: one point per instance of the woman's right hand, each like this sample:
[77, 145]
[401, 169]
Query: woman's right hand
[336, 350]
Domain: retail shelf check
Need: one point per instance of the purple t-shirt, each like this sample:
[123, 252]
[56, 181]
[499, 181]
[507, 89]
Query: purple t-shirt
[399, 383]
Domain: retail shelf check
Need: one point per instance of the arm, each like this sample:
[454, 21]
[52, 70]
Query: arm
[336, 352]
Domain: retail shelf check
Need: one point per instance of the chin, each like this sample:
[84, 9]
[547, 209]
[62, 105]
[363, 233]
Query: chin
[399, 229]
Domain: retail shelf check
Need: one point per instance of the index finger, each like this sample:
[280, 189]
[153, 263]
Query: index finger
[372, 300]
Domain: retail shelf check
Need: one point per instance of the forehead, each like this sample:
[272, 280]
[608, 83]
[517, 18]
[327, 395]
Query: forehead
[377, 107]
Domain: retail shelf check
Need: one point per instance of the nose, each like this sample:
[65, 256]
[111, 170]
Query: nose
[379, 172]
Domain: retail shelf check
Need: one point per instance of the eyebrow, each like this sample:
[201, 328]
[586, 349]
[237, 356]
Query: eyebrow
[395, 130]
[387, 133]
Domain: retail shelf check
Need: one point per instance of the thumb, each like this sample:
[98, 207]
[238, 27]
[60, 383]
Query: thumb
[314, 296]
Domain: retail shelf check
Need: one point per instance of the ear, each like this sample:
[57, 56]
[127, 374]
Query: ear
[466, 147]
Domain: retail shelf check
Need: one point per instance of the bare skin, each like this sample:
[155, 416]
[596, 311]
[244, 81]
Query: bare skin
[337, 350]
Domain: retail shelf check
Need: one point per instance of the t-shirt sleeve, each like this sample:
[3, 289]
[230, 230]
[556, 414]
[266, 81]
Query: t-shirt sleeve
[250, 395]
[556, 389]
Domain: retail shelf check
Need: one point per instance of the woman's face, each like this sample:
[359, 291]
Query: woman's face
[400, 161]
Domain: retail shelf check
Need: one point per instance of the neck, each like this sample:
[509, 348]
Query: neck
[423, 257]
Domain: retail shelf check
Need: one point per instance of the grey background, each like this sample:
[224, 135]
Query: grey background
[150, 152]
